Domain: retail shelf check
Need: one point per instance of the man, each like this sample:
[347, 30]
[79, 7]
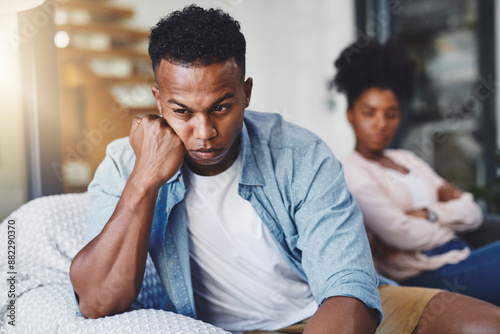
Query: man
[245, 216]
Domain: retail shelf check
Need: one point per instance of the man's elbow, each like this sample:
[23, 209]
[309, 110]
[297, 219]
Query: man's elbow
[97, 308]
[99, 301]
[91, 312]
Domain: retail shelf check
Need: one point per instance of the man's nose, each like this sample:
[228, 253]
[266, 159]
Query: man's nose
[204, 128]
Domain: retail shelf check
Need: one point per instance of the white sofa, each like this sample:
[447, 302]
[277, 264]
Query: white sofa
[48, 234]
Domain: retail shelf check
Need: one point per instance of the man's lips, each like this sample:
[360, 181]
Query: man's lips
[206, 153]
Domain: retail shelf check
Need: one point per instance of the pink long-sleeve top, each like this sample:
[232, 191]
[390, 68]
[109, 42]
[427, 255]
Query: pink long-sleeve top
[384, 200]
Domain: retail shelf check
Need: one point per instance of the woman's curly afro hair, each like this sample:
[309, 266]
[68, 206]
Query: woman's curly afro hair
[195, 36]
[368, 64]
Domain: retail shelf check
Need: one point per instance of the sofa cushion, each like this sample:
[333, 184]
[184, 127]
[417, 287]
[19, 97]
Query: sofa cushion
[48, 234]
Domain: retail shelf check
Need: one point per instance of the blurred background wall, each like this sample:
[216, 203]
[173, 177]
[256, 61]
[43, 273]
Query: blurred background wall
[12, 175]
[75, 72]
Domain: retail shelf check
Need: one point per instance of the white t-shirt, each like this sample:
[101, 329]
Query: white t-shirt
[420, 195]
[241, 281]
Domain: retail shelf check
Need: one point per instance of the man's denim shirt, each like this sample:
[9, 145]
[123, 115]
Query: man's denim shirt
[296, 186]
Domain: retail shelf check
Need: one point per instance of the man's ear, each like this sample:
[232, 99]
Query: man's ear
[156, 94]
[248, 91]
[350, 115]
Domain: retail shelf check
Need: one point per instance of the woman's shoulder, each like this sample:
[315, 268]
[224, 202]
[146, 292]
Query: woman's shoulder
[399, 152]
[406, 158]
[353, 159]
[357, 170]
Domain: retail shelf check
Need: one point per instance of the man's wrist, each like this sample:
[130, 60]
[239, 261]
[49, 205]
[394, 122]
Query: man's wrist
[144, 184]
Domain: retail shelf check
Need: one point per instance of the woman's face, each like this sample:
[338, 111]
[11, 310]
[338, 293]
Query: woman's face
[375, 118]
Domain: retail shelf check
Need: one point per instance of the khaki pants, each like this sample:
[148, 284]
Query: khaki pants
[297, 328]
[402, 308]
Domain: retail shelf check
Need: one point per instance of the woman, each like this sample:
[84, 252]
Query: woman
[411, 214]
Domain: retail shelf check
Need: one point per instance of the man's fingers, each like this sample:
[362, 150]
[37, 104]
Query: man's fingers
[135, 124]
[147, 120]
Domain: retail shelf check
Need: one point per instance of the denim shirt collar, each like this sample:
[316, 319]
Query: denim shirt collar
[250, 172]
[176, 177]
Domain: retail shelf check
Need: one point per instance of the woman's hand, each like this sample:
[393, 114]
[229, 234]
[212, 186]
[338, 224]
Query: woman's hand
[420, 213]
[159, 151]
[448, 192]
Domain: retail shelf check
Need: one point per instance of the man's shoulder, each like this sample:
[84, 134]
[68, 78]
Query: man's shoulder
[273, 129]
[120, 156]
[119, 145]
[120, 148]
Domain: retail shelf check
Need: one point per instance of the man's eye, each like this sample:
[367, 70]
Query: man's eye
[220, 108]
[181, 111]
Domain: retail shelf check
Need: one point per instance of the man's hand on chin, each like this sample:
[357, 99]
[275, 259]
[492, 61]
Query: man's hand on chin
[159, 151]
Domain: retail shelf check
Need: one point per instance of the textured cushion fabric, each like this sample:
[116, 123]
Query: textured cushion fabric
[48, 234]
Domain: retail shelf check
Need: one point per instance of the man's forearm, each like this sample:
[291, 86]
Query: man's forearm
[107, 273]
[343, 315]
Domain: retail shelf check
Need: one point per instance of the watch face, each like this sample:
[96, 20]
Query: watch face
[431, 216]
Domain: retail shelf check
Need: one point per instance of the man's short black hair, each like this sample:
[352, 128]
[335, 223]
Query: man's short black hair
[368, 64]
[195, 36]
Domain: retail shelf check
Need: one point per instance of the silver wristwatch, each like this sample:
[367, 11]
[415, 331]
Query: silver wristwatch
[431, 216]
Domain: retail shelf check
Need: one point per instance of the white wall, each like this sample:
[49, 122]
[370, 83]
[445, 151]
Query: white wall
[291, 46]
[12, 187]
